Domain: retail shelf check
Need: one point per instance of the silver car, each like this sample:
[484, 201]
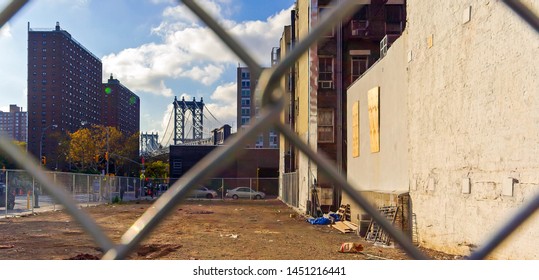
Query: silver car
[203, 192]
[244, 192]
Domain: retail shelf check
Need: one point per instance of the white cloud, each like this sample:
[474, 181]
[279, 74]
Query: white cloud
[190, 50]
[5, 31]
[225, 93]
[223, 104]
[182, 13]
[207, 75]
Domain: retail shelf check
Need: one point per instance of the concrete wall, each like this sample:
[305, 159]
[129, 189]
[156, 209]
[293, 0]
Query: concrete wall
[473, 117]
[380, 176]
[304, 129]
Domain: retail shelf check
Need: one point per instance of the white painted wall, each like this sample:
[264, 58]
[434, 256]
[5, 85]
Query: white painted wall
[387, 170]
[473, 115]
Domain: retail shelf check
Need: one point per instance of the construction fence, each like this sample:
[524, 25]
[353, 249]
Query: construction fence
[25, 194]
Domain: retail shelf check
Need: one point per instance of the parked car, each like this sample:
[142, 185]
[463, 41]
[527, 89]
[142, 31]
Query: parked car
[203, 192]
[10, 198]
[244, 192]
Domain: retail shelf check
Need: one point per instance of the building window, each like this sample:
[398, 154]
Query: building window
[325, 125]
[245, 75]
[245, 84]
[245, 102]
[325, 72]
[359, 65]
[245, 93]
[394, 19]
[260, 141]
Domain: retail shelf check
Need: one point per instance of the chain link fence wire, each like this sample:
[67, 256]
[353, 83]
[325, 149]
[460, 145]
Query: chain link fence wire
[273, 100]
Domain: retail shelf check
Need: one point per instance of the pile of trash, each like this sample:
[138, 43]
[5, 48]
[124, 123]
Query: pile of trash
[326, 219]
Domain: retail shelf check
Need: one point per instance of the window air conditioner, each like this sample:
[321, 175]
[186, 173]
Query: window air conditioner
[325, 84]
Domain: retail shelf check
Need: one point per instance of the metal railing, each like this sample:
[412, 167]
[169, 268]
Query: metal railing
[273, 100]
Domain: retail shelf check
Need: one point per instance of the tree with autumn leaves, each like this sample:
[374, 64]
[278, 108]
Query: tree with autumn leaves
[87, 148]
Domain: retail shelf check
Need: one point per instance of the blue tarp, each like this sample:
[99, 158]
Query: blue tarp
[319, 221]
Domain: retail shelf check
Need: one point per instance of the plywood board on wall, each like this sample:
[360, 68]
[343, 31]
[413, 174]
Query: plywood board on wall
[374, 118]
[355, 129]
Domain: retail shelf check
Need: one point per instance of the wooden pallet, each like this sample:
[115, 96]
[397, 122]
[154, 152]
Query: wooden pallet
[345, 227]
[344, 212]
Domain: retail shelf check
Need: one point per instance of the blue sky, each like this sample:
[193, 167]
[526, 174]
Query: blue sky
[154, 47]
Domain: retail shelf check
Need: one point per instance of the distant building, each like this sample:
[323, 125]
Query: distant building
[248, 107]
[65, 91]
[13, 123]
[251, 163]
[120, 107]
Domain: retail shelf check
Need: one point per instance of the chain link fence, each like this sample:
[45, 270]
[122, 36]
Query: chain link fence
[26, 195]
[65, 189]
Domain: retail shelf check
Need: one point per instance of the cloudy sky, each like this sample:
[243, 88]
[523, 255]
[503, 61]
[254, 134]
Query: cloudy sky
[157, 48]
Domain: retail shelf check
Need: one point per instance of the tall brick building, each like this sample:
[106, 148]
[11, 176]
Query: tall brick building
[65, 90]
[121, 107]
[13, 123]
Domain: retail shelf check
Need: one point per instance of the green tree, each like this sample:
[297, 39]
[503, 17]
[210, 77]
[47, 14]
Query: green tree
[83, 148]
[87, 143]
[157, 169]
[5, 161]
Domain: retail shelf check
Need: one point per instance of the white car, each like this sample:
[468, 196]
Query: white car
[244, 192]
[203, 192]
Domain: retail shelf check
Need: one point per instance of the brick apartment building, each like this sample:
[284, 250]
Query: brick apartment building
[317, 83]
[65, 91]
[13, 123]
[120, 107]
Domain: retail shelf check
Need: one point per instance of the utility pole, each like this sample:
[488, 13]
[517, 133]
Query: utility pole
[108, 155]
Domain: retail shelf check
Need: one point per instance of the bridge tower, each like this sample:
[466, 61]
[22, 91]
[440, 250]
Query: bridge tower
[197, 113]
[149, 142]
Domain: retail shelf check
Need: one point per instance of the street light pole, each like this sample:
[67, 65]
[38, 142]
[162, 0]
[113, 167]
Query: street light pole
[34, 197]
[108, 155]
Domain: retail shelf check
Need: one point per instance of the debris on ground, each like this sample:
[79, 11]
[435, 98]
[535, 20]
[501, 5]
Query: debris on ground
[345, 226]
[200, 212]
[234, 236]
[319, 221]
[351, 247]
[84, 257]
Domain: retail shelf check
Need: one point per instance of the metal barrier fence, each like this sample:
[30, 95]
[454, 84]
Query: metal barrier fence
[273, 101]
[290, 188]
[21, 193]
[25, 194]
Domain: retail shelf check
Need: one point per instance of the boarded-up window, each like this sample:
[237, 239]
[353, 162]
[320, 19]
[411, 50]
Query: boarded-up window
[374, 118]
[326, 125]
[355, 129]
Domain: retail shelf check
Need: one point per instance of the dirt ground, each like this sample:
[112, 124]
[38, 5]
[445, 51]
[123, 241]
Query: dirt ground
[197, 230]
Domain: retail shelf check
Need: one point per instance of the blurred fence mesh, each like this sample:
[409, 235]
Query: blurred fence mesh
[71, 189]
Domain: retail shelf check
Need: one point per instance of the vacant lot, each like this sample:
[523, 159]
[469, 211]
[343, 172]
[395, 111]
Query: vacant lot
[196, 230]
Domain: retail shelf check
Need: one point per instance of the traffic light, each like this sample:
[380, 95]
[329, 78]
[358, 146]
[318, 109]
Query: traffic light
[44, 160]
[107, 156]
